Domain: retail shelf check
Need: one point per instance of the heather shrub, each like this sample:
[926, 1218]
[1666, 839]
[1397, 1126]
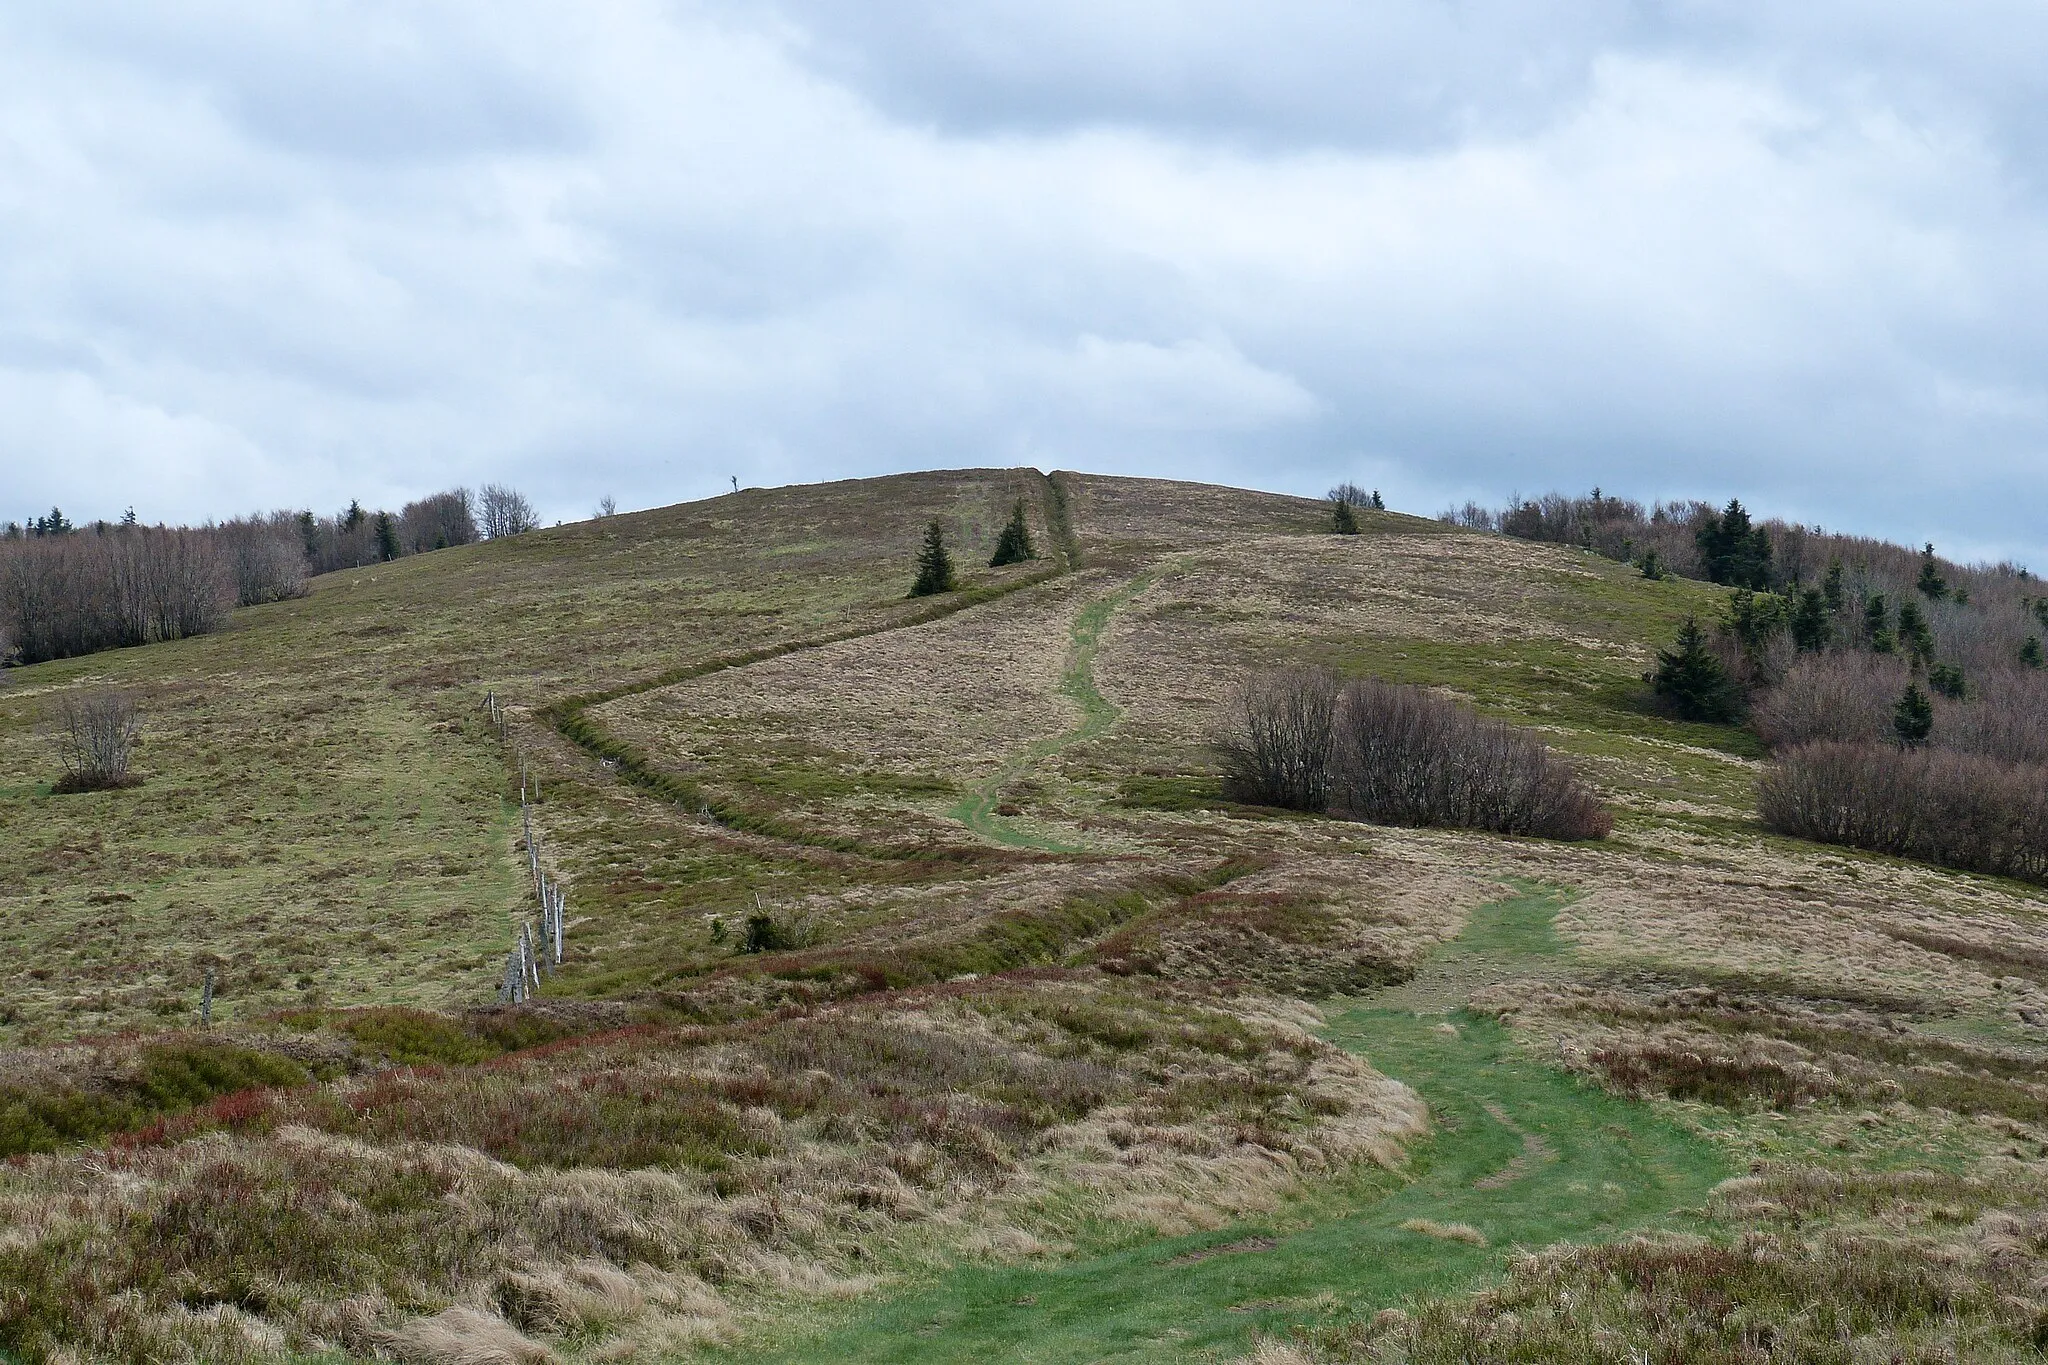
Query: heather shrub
[1939, 806]
[1279, 739]
[1406, 756]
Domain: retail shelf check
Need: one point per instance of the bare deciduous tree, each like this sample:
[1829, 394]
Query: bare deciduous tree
[607, 506]
[504, 512]
[98, 742]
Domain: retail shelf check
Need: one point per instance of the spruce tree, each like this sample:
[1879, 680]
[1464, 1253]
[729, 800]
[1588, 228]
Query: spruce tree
[1343, 521]
[1913, 632]
[1831, 586]
[1913, 717]
[1948, 680]
[1811, 623]
[1733, 551]
[1877, 625]
[1653, 566]
[2030, 652]
[1692, 681]
[1378, 503]
[1931, 584]
[387, 538]
[934, 565]
[1013, 546]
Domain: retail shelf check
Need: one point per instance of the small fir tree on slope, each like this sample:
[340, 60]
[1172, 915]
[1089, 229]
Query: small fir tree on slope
[934, 565]
[1014, 545]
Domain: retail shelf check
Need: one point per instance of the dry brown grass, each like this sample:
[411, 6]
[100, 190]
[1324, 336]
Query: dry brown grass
[642, 1186]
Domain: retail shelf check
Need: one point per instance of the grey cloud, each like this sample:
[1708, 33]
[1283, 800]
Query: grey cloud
[635, 248]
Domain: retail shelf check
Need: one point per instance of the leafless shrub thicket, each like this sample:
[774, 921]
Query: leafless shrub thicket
[98, 742]
[1952, 809]
[1406, 756]
[503, 512]
[1280, 738]
[1396, 755]
[73, 594]
[1846, 698]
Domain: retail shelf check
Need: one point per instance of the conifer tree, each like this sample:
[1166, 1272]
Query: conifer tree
[1913, 632]
[387, 538]
[2030, 652]
[1013, 546]
[1831, 586]
[1913, 717]
[1948, 680]
[1931, 584]
[1692, 680]
[1378, 503]
[1811, 623]
[1877, 625]
[934, 565]
[1653, 566]
[1342, 520]
[1733, 551]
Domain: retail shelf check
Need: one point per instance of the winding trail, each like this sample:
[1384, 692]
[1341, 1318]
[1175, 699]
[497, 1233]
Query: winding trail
[977, 810]
[1522, 1152]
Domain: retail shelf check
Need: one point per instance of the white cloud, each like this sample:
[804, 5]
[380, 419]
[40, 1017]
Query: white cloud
[302, 254]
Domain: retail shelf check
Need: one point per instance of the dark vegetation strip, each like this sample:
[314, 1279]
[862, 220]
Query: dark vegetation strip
[1006, 942]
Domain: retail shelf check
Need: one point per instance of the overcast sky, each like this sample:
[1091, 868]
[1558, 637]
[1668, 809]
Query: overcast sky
[286, 254]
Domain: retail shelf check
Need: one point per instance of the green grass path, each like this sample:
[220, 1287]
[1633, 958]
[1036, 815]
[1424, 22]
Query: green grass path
[977, 810]
[1523, 1152]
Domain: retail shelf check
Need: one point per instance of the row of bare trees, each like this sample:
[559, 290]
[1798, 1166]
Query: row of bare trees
[66, 591]
[1304, 739]
[73, 594]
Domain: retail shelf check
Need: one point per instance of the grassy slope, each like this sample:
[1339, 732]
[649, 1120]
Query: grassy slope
[326, 816]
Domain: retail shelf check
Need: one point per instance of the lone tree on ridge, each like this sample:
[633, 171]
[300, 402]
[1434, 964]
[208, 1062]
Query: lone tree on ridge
[934, 565]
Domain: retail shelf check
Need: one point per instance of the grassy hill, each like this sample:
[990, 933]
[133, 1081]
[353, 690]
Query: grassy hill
[1058, 1052]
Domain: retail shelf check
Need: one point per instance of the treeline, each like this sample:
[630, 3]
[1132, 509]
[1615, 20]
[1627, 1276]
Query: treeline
[67, 590]
[1903, 696]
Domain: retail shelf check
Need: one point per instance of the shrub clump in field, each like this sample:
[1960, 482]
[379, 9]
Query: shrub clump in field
[934, 564]
[98, 742]
[1397, 755]
[1407, 756]
[1280, 739]
[1939, 806]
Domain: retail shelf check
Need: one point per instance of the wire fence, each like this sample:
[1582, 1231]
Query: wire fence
[538, 944]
